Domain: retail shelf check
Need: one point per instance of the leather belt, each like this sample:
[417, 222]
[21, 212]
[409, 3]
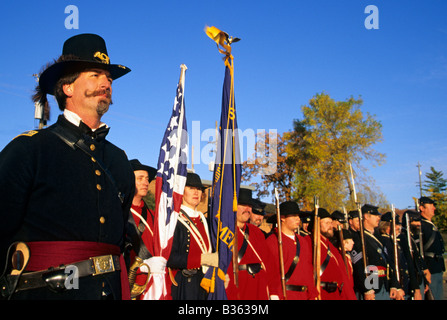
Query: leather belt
[330, 286]
[382, 271]
[55, 277]
[251, 268]
[292, 287]
[433, 255]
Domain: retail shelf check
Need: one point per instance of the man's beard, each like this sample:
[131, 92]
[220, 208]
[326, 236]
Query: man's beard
[103, 104]
[328, 234]
[103, 107]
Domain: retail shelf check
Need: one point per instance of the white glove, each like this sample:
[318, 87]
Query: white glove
[210, 259]
[156, 264]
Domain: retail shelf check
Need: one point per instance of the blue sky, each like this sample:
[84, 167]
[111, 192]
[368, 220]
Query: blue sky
[290, 50]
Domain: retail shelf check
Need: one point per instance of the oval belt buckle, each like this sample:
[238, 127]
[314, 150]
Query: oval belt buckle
[103, 264]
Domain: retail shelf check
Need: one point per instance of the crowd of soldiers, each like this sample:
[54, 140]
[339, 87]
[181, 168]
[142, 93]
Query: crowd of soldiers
[317, 255]
[72, 201]
[403, 260]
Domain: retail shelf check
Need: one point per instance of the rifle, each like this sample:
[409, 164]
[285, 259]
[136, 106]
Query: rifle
[317, 249]
[362, 234]
[281, 254]
[342, 249]
[410, 246]
[421, 244]
[345, 214]
[396, 252]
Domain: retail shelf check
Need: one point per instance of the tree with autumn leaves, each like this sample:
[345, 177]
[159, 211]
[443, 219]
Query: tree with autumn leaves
[314, 157]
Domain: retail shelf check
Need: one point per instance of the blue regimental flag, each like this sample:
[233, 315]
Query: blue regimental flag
[225, 189]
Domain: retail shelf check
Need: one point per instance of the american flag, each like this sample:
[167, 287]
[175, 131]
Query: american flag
[169, 186]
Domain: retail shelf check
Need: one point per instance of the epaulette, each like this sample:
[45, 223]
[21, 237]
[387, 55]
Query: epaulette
[29, 133]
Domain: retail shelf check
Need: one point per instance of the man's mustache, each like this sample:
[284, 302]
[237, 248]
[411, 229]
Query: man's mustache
[101, 92]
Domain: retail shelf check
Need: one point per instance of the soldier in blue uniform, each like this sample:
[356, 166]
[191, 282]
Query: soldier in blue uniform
[406, 270]
[65, 190]
[381, 284]
[432, 246]
[417, 267]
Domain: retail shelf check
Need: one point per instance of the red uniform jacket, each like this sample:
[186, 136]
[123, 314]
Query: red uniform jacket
[303, 273]
[334, 272]
[259, 286]
[147, 237]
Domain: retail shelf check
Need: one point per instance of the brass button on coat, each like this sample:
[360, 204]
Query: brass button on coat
[92, 147]
[98, 186]
[102, 220]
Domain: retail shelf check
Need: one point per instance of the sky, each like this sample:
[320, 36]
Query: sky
[289, 51]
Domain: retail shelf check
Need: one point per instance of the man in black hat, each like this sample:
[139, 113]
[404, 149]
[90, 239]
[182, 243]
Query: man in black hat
[66, 191]
[297, 255]
[432, 247]
[333, 273]
[380, 284]
[254, 261]
[409, 239]
[257, 212]
[385, 235]
[140, 229]
[353, 221]
[306, 219]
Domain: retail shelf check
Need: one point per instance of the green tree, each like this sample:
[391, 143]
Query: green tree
[331, 135]
[435, 182]
[270, 151]
[435, 187]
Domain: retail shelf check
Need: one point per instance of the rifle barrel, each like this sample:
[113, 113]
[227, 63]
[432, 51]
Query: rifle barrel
[281, 254]
[396, 252]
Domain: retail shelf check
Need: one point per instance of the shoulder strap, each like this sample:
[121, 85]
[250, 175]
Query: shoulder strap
[326, 261]
[185, 219]
[243, 246]
[430, 240]
[295, 260]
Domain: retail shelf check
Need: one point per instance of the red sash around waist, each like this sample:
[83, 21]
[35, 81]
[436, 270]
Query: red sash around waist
[46, 254]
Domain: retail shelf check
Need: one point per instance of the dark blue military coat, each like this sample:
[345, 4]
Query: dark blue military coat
[52, 192]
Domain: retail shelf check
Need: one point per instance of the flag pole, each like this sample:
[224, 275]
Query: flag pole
[228, 121]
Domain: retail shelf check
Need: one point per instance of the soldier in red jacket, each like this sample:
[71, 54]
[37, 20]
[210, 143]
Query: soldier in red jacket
[297, 253]
[254, 273]
[333, 276]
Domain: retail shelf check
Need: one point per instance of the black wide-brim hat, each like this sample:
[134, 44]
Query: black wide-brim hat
[323, 213]
[288, 208]
[193, 180]
[80, 52]
[245, 197]
[137, 165]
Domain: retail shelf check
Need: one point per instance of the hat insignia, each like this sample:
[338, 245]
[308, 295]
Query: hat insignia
[102, 57]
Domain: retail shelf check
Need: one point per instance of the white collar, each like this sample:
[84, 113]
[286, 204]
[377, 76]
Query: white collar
[190, 212]
[76, 120]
